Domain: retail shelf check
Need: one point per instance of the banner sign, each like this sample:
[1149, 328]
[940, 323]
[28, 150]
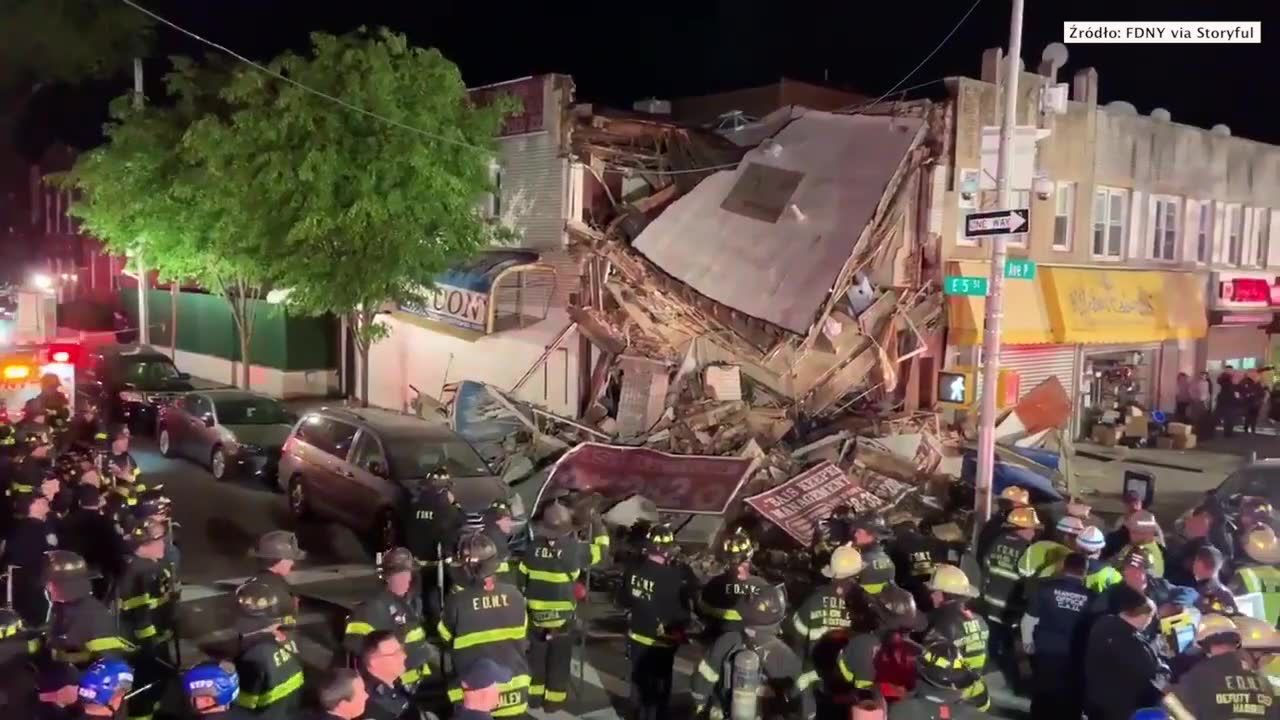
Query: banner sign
[798, 504]
[703, 484]
[456, 306]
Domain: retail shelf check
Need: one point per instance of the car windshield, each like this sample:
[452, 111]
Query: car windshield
[148, 373]
[1256, 480]
[415, 457]
[250, 411]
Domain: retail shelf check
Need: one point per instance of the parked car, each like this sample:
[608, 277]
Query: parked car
[359, 467]
[233, 432]
[1259, 478]
[129, 384]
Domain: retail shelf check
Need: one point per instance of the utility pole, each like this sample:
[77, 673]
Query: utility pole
[144, 317]
[995, 301]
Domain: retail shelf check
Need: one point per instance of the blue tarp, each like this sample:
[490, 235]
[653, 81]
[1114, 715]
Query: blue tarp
[1006, 474]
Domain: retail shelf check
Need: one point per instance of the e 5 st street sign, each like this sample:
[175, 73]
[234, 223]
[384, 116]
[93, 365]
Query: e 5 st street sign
[965, 285]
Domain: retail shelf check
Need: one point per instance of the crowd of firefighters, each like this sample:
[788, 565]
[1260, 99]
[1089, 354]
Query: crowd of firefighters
[478, 621]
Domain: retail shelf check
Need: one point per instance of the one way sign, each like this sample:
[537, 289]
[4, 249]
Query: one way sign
[997, 222]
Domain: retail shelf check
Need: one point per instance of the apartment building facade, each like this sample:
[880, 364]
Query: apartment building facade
[1155, 243]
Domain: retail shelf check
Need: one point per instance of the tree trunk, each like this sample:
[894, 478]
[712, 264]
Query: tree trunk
[243, 311]
[359, 321]
[364, 374]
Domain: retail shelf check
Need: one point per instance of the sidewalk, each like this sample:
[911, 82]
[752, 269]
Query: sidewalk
[1181, 476]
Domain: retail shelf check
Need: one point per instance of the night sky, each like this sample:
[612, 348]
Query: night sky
[619, 52]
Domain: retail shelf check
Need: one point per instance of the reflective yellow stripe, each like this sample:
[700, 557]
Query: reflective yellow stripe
[411, 676]
[845, 672]
[418, 634]
[488, 636]
[504, 567]
[355, 627]
[707, 672]
[646, 640]
[548, 576]
[518, 682]
[715, 612]
[1001, 572]
[146, 632]
[33, 646]
[108, 643]
[874, 588]
[807, 679]
[135, 602]
[1250, 580]
[537, 690]
[549, 624]
[556, 696]
[443, 631]
[513, 711]
[272, 696]
[551, 604]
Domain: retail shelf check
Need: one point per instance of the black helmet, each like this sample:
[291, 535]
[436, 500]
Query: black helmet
[69, 573]
[765, 606]
[940, 664]
[897, 609]
[497, 510]
[660, 540]
[397, 560]
[258, 607]
[737, 547]
[477, 554]
[147, 530]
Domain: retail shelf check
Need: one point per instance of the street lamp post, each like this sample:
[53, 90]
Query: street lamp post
[995, 301]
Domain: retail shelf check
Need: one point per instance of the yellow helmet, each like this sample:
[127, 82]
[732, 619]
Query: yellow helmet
[1217, 626]
[1262, 546]
[951, 580]
[1257, 634]
[1025, 518]
[1016, 495]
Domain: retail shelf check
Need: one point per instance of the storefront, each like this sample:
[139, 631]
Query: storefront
[1111, 337]
[1240, 313]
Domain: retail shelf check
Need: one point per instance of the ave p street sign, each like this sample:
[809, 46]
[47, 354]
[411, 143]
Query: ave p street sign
[997, 222]
[1019, 269]
[964, 285]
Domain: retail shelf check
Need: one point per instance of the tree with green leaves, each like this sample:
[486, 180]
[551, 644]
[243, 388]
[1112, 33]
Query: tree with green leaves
[369, 209]
[151, 190]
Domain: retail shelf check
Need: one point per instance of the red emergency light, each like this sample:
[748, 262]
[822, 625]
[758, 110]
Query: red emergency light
[1245, 290]
[62, 353]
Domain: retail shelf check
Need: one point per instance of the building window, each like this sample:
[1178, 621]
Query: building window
[1109, 215]
[1235, 235]
[1164, 228]
[1204, 232]
[1263, 244]
[493, 206]
[966, 202]
[1064, 206]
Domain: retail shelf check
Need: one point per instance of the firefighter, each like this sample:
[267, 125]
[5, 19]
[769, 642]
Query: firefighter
[895, 660]
[657, 595]
[396, 608]
[498, 522]
[382, 662]
[87, 429]
[88, 532]
[1206, 567]
[1224, 684]
[943, 681]
[1044, 557]
[752, 664]
[103, 686]
[1053, 634]
[877, 569]
[1121, 668]
[486, 618]
[17, 649]
[1261, 643]
[148, 618]
[211, 689]
[1098, 575]
[719, 598]
[952, 619]
[277, 552]
[1003, 596]
[1260, 575]
[1011, 498]
[822, 626]
[1140, 531]
[831, 532]
[267, 664]
[30, 537]
[432, 523]
[915, 553]
[1255, 512]
[552, 573]
[81, 629]
[122, 470]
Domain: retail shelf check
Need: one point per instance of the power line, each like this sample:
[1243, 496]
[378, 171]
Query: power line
[295, 83]
[857, 109]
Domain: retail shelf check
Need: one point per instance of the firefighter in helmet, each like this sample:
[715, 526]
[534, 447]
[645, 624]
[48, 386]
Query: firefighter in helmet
[1260, 574]
[268, 665]
[720, 597]
[657, 595]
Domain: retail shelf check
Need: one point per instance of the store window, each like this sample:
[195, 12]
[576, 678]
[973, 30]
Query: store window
[1235, 235]
[1109, 222]
[1064, 206]
[1163, 243]
[1114, 381]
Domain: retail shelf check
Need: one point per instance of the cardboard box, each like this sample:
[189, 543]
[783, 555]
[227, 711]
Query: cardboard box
[1164, 442]
[1133, 411]
[1177, 428]
[1107, 435]
[1137, 427]
[1184, 442]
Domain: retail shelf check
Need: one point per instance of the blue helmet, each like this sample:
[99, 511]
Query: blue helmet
[212, 679]
[1154, 713]
[106, 677]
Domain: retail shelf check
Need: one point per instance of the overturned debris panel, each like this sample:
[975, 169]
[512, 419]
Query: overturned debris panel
[771, 237]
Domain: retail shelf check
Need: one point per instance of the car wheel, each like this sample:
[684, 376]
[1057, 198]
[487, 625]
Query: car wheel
[299, 506]
[166, 443]
[387, 531]
[218, 464]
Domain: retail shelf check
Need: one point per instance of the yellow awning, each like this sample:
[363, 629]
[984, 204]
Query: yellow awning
[1084, 305]
[1026, 315]
[1090, 305]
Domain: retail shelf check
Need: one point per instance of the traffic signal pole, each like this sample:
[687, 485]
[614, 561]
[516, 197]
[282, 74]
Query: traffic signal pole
[995, 300]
